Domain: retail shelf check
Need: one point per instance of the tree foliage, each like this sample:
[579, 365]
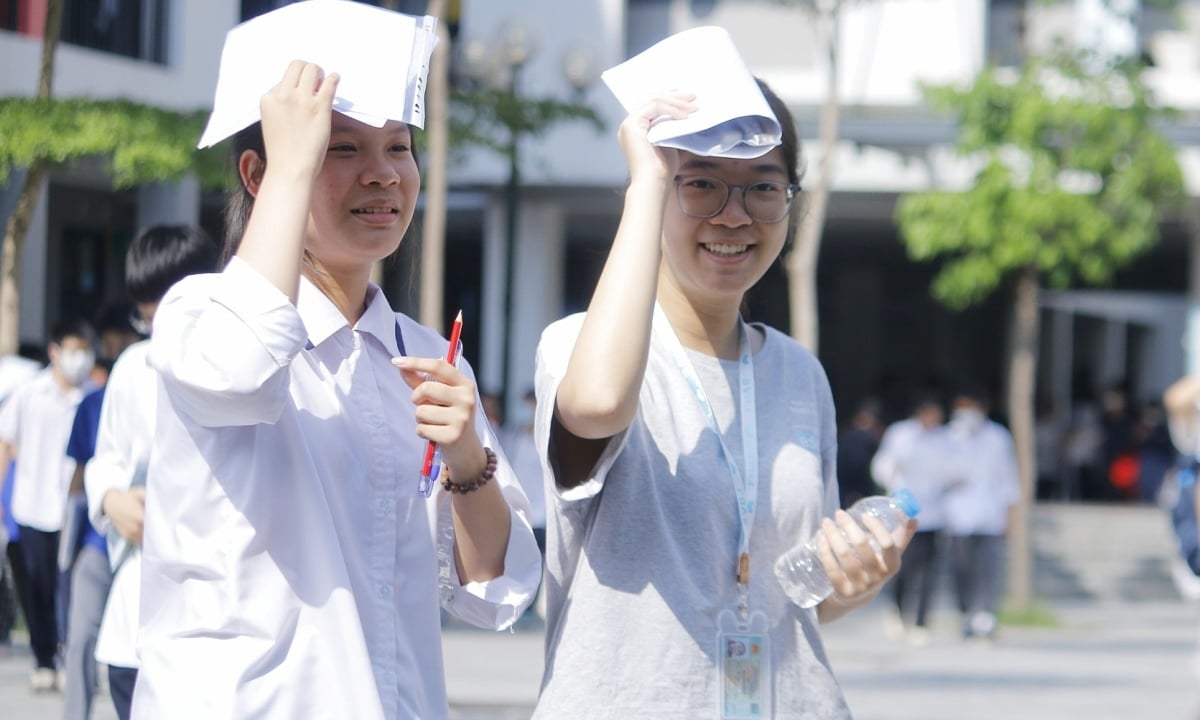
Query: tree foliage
[141, 143]
[1072, 177]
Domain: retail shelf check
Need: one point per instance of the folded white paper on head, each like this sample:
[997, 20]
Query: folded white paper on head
[382, 58]
[732, 118]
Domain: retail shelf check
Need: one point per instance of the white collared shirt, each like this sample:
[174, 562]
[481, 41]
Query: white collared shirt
[37, 420]
[123, 443]
[290, 569]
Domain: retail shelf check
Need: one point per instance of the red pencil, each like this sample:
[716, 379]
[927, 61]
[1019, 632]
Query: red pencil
[455, 331]
[428, 475]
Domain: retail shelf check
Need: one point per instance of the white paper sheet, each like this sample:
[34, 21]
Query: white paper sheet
[732, 119]
[381, 56]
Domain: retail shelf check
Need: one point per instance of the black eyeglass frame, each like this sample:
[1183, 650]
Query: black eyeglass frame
[792, 189]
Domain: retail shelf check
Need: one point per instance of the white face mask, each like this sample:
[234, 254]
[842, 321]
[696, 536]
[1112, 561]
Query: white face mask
[968, 418]
[76, 364]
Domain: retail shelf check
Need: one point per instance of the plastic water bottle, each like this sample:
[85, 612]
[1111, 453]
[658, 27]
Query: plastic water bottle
[800, 570]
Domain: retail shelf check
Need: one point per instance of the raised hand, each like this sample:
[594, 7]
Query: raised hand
[645, 159]
[296, 116]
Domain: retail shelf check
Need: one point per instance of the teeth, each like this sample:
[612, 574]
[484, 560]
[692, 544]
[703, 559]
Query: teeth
[373, 211]
[727, 249]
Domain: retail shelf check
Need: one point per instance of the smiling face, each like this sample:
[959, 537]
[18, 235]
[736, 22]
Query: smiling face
[364, 196]
[718, 259]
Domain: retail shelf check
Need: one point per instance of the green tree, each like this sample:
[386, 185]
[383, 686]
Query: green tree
[1072, 179]
[143, 144]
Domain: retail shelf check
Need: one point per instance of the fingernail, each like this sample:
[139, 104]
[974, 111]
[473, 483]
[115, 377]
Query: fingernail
[401, 362]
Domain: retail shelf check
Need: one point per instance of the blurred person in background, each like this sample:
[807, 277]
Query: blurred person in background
[856, 447]
[84, 576]
[983, 487]
[35, 423]
[115, 476]
[15, 370]
[915, 454]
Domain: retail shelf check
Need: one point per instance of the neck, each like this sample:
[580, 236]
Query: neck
[709, 328]
[61, 381]
[348, 291]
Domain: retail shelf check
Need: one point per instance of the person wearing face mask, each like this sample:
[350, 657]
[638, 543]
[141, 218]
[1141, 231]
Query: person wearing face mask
[36, 423]
[984, 487]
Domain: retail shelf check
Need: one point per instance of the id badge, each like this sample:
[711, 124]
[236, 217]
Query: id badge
[744, 667]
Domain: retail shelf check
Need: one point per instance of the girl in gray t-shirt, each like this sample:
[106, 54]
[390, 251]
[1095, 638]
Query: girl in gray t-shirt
[685, 451]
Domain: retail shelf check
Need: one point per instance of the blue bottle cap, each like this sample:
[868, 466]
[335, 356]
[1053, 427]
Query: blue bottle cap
[907, 502]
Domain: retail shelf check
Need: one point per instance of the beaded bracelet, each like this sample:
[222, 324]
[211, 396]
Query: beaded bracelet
[489, 472]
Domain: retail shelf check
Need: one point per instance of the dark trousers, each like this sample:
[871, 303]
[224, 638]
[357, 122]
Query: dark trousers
[39, 553]
[916, 578]
[120, 685]
[978, 572]
[12, 589]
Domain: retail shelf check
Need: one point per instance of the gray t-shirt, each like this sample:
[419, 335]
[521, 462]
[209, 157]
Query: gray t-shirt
[640, 559]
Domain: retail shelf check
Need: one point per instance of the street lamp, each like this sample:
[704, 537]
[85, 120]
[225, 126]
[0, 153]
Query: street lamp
[494, 75]
[517, 50]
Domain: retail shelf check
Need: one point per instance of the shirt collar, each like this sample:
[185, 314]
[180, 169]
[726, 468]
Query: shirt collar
[322, 318]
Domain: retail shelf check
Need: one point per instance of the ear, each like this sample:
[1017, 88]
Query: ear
[250, 167]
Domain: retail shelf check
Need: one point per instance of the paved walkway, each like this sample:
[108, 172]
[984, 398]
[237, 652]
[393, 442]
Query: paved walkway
[1110, 661]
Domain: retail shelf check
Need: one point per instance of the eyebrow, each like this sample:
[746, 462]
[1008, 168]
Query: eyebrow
[760, 168]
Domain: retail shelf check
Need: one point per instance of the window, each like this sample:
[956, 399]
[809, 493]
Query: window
[8, 14]
[133, 28]
[1005, 33]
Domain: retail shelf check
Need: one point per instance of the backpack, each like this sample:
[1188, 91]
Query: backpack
[1183, 512]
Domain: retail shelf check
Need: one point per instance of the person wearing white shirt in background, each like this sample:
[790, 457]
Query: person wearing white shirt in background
[34, 425]
[913, 454]
[983, 488]
[291, 566]
[115, 477]
[15, 371]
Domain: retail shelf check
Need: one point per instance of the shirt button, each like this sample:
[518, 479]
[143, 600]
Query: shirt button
[385, 591]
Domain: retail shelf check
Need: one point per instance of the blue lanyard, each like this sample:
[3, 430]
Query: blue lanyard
[745, 486]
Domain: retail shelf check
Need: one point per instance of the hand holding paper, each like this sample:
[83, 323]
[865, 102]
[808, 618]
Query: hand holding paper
[733, 119]
[383, 62]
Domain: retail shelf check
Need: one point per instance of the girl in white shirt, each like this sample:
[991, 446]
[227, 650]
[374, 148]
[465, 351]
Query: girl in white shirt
[291, 569]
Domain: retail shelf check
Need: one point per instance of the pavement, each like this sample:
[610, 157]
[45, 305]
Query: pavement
[1101, 661]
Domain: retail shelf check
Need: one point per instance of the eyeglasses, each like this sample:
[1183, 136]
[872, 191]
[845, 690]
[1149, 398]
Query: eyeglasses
[765, 202]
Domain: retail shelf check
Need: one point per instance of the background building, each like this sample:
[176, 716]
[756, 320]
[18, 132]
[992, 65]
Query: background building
[881, 333]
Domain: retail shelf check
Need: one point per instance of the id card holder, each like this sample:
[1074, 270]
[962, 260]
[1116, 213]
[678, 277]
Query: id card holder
[743, 667]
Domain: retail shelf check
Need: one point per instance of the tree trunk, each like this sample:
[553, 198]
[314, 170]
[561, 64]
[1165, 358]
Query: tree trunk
[433, 225]
[802, 261]
[1022, 376]
[17, 226]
